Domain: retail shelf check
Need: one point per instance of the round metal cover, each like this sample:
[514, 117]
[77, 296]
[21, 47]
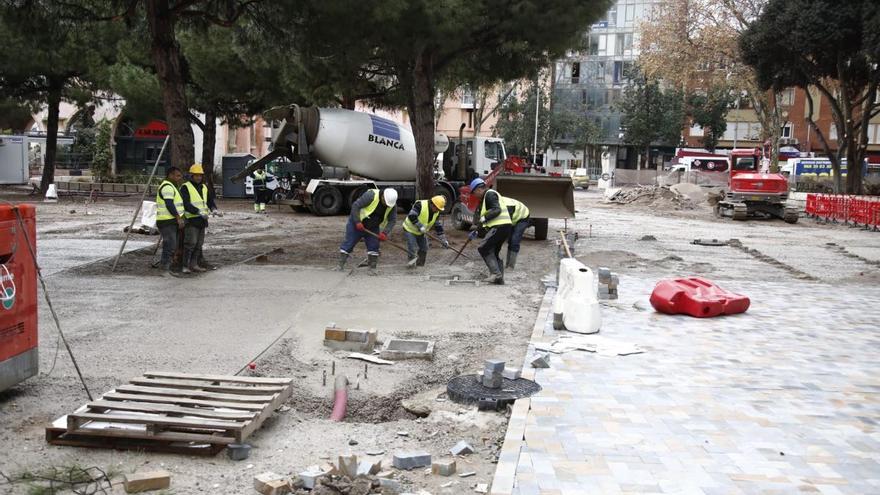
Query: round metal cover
[469, 389]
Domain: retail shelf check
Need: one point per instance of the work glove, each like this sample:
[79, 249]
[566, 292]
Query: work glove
[204, 215]
[383, 236]
[473, 235]
[423, 229]
[482, 220]
[217, 213]
[360, 226]
[444, 242]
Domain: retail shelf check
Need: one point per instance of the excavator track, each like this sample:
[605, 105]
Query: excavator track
[740, 212]
[790, 215]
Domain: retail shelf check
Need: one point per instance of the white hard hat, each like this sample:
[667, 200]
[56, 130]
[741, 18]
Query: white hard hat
[390, 196]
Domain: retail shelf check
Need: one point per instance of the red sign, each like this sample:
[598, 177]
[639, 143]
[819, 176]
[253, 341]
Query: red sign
[155, 129]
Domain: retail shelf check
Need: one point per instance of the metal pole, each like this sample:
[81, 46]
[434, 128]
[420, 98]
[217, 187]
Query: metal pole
[138, 208]
[736, 122]
[537, 106]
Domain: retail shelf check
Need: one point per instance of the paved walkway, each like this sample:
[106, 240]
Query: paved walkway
[782, 399]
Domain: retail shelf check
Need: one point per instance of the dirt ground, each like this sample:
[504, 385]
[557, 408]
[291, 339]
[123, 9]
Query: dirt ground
[271, 311]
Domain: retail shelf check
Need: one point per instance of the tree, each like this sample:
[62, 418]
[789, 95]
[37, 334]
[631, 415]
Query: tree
[102, 153]
[50, 59]
[15, 114]
[708, 109]
[833, 47]
[693, 45]
[516, 120]
[412, 47]
[651, 115]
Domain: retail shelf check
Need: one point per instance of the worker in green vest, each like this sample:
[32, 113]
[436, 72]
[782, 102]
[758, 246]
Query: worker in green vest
[198, 203]
[492, 216]
[422, 217]
[372, 217]
[519, 217]
[169, 215]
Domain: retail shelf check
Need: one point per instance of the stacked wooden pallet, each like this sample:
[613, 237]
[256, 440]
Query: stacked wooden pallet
[174, 412]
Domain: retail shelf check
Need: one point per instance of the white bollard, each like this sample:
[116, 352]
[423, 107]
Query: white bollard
[576, 298]
[51, 193]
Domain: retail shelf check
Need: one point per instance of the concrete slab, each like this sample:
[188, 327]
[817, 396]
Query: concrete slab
[397, 349]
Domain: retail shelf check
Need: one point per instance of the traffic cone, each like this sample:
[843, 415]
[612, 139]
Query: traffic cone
[51, 193]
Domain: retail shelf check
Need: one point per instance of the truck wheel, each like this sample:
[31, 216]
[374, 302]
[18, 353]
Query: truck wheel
[326, 201]
[458, 218]
[355, 194]
[541, 226]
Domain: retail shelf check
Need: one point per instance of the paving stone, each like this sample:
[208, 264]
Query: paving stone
[511, 373]
[411, 460]
[146, 481]
[445, 467]
[541, 361]
[493, 365]
[462, 448]
[493, 380]
[269, 483]
[311, 476]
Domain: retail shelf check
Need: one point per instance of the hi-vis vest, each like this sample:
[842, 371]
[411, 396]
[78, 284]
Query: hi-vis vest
[198, 198]
[162, 212]
[503, 218]
[370, 208]
[424, 219]
[520, 211]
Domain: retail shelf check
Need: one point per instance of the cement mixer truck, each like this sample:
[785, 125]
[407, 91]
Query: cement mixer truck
[378, 152]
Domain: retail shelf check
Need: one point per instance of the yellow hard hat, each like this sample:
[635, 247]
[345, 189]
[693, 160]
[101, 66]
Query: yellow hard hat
[196, 169]
[439, 202]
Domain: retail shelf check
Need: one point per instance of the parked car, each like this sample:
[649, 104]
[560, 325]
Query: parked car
[580, 178]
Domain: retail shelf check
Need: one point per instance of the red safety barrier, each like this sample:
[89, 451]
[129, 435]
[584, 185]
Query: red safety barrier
[697, 297]
[858, 211]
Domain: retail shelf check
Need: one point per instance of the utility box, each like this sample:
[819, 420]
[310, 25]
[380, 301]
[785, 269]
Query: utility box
[18, 296]
[13, 159]
[232, 164]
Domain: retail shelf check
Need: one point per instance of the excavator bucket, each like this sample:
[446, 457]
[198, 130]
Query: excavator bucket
[546, 197]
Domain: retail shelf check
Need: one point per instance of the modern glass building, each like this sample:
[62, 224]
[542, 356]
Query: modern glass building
[593, 79]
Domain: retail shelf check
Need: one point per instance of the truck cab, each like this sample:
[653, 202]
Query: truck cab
[482, 155]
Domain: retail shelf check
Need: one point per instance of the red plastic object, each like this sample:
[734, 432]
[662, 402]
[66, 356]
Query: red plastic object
[697, 297]
[18, 306]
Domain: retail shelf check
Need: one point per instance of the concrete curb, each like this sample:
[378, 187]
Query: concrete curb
[514, 439]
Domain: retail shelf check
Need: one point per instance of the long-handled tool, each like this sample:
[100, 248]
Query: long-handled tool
[389, 242]
[459, 252]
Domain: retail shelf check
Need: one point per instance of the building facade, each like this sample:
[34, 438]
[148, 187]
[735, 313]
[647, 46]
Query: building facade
[593, 80]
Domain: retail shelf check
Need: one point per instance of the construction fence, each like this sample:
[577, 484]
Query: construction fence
[858, 211]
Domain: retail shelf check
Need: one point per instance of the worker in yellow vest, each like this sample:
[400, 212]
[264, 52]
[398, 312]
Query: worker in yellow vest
[198, 203]
[519, 217]
[422, 217]
[374, 211]
[259, 178]
[491, 215]
[169, 215]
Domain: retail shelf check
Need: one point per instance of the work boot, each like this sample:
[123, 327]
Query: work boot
[256, 208]
[373, 262]
[187, 259]
[495, 276]
[511, 259]
[263, 208]
[421, 259]
[412, 262]
[196, 268]
[343, 257]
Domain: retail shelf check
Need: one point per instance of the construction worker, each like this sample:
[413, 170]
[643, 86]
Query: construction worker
[519, 217]
[259, 177]
[169, 215]
[421, 218]
[492, 215]
[197, 204]
[372, 217]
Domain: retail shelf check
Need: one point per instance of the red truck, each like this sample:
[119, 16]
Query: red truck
[752, 193]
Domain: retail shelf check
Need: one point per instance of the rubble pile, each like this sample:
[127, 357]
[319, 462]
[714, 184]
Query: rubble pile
[654, 196]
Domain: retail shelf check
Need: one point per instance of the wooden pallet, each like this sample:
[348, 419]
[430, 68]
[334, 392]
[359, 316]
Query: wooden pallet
[173, 412]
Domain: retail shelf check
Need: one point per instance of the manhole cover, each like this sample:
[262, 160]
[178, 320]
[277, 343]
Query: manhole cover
[468, 389]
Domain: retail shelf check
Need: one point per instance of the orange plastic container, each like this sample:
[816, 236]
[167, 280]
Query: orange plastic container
[18, 296]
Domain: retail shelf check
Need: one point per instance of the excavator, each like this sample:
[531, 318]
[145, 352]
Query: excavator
[752, 194]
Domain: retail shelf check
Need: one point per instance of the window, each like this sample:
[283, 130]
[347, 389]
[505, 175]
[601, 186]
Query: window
[873, 131]
[786, 131]
[742, 131]
[593, 48]
[612, 15]
[231, 145]
[493, 150]
[629, 14]
[575, 72]
[832, 132]
[253, 135]
[697, 131]
[786, 97]
[618, 68]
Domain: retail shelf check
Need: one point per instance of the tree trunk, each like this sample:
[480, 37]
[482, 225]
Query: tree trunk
[421, 110]
[209, 140]
[54, 101]
[165, 53]
[348, 102]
